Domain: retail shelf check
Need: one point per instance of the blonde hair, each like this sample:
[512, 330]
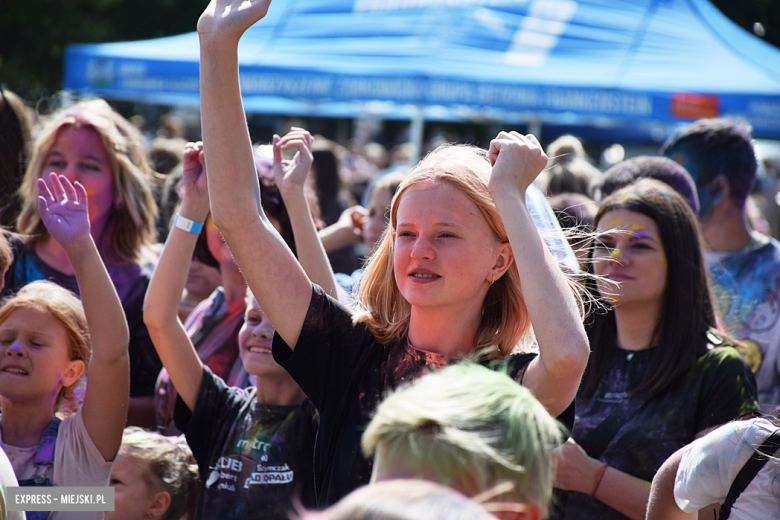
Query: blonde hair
[130, 226]
[381, 306]
[46, 296]
[470, 426]
[170, 464]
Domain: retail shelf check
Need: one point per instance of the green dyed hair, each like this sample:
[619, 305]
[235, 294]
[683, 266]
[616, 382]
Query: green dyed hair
[472, 428]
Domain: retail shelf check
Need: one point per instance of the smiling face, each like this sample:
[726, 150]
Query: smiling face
[133, 496]
[444, 251]
[631, 254]
[34, 358]
[79, 154]
[254, 341]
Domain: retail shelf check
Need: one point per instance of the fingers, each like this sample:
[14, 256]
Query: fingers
[43, 205]
[44, 189]
[505, 138]
[299, 139]
[192, 147]
[277, 149]
[301, 131]
[299, 143]
[70, 191]
[358, 211]
[81, 192]
[192, 154]
[296, 134]
[59, 191]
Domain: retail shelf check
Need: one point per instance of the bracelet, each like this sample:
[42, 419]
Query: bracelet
[186, 224]
[600, 471]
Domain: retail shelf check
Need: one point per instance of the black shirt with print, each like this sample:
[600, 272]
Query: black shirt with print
[253, 458]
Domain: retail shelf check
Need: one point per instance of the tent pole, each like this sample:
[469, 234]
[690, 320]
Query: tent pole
[416, 134]
[535, 128]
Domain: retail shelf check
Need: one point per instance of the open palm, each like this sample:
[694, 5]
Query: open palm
[63, 209]
[231, 18]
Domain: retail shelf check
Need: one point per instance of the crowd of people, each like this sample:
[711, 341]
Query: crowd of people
[524, 338]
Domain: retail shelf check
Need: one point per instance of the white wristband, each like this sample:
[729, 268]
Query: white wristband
[187, 224]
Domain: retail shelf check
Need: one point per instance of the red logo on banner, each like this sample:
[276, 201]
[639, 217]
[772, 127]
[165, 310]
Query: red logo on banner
[694, 106]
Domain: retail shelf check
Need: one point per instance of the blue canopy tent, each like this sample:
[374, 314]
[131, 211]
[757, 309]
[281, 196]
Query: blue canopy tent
[599, 62]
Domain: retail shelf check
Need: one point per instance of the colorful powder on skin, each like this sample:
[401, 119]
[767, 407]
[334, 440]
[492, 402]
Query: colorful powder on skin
[94, 210]
[639, 231]
[614, 253]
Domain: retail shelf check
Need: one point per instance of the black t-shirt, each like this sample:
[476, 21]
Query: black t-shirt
[253, 458]
[130, 282]
[336, 362]
[644, 433]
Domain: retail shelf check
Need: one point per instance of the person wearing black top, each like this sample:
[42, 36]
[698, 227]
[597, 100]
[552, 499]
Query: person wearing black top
[660, 374]
[444, 283]
[253, 446]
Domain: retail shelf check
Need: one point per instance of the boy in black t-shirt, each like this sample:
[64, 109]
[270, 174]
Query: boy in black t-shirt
[253, 457]
[254, 446]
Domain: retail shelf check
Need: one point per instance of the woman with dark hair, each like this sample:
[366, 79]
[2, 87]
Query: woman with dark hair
[659, 375]
[328, 186]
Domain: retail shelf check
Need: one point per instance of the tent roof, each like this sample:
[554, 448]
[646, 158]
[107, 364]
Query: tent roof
[627, 60]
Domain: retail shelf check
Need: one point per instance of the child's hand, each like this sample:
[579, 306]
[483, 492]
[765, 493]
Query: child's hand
[229, 19]
[194, 186]
[290, 175]
[517, 160]
[353, 222]
[63, 209]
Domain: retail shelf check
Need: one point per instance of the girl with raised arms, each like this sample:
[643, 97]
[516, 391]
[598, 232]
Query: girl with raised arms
[443, 284]
[91, 143]
[253, 446]
[46, 342]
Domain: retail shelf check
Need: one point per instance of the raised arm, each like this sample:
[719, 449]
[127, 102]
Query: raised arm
[63, 209]
[290, 177]
[161, 306]
[276, 278]
[553, 376]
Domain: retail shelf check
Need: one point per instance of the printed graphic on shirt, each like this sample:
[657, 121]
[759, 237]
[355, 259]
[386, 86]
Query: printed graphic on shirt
[256, 457]
[636, 435]
[746, 285]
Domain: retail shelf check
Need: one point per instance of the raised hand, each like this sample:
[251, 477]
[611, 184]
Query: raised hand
[63, 209]
[193, 187]
[353, 220]
[229, 19]
[291, 175]
[517, 160]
